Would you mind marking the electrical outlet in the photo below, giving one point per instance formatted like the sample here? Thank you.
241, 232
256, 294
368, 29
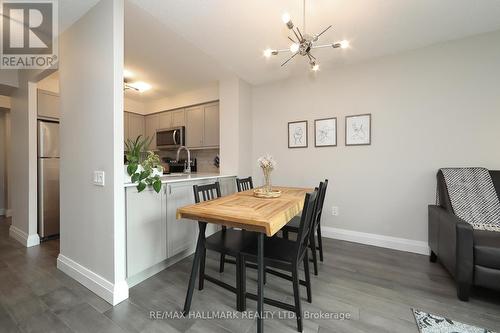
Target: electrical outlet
99, 178
335, 211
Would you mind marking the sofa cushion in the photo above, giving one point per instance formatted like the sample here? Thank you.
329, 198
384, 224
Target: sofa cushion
487, 248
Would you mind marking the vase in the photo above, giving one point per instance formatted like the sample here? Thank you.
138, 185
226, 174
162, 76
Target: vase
267, 180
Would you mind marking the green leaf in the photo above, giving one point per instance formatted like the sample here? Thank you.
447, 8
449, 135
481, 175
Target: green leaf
157, 185
135, 177
141, 186
131, 168
144, 175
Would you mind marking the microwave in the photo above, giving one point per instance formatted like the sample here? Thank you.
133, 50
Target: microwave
170, 138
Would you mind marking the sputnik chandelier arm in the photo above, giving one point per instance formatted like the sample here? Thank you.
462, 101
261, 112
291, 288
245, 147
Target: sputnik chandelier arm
303, 43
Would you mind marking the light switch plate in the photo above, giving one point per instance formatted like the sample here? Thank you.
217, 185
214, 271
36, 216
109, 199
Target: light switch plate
99, 178
335, 211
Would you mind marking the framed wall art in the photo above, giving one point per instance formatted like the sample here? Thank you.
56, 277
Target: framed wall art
325, 132
297, 134
358, 131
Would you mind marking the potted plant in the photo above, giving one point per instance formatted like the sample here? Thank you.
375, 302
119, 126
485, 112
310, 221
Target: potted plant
143, 170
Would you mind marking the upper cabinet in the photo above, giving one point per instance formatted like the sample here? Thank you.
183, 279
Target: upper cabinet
152, 124
48, 104
201, 122
178, 118
194, 126
211, 126
202, 126
165, 120
134, 125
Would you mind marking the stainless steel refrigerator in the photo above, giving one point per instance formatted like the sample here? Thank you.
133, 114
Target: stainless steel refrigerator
48, 179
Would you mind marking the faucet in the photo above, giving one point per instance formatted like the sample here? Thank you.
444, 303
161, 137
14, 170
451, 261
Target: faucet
187, 168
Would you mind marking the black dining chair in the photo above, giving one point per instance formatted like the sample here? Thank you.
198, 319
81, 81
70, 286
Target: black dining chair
244, 184
227, 241
286, 255
293, 226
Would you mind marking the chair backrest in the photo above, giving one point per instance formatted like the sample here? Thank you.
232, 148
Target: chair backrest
321, 201
244, 184
206, 192
306, 221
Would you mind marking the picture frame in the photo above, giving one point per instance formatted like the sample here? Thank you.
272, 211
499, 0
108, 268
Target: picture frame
297, 134
358, 130
325, 132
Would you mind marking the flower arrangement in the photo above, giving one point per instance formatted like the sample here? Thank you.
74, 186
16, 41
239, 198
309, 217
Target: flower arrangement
267, 164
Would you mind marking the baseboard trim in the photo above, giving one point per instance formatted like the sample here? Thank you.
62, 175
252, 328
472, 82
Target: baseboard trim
395, 243
8, 212
23, 238
111, 293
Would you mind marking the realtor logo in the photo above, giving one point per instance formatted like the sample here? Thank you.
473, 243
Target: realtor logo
29, 34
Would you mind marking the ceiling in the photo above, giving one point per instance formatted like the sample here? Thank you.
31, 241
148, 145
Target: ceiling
71, 10
191, 40
161, 57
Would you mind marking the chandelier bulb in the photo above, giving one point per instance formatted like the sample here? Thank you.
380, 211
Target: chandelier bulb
294, 47
344, 44
267, 53
314, 66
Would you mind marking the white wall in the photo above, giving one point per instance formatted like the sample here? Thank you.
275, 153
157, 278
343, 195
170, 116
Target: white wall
204, 94
8, 164
3, 160
92, 217
23, 159
431, 108
50, 83
235, 109
4, 102
9, 77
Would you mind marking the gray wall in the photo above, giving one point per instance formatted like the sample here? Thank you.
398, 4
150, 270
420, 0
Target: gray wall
433, 107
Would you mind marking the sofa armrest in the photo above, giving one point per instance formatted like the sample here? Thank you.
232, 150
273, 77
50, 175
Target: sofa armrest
452, 240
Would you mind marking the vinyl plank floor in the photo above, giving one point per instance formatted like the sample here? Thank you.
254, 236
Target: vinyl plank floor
376, 287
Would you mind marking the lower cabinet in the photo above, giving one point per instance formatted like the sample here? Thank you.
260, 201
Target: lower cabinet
146, 229
154, 234
181, 234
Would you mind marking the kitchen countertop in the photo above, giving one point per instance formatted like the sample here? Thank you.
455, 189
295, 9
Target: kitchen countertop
182, 177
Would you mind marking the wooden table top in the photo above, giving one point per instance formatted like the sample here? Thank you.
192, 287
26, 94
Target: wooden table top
243, 210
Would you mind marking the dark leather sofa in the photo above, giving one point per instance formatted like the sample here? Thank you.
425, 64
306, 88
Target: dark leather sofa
471, 256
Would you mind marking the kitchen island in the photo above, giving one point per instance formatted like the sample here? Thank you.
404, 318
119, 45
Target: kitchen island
155, 238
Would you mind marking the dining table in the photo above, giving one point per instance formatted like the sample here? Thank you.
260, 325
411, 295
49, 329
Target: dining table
265, 216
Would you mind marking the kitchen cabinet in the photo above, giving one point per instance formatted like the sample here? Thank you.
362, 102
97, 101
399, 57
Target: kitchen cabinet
48, 104
202, 126
152, 123
211, 125
178, 118
165, 120
146, 229
136, 125
195, 123
181, 234
155, 238
126, 122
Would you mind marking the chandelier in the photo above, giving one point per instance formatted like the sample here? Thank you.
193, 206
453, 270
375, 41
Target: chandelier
303, 43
